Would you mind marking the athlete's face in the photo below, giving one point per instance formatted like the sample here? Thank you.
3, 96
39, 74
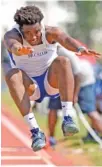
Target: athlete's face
32, 33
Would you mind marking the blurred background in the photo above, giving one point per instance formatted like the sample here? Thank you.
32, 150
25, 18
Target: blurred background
82, 20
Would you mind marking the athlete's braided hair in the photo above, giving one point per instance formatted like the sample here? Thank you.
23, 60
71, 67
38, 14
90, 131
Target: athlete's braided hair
28, 15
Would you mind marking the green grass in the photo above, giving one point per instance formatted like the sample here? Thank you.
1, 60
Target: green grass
7, 100
90, 149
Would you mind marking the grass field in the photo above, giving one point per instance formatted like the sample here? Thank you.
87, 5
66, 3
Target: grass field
90, 149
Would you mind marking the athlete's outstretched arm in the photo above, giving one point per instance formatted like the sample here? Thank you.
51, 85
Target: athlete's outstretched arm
66, 41
56, 34
12, 38
14, 44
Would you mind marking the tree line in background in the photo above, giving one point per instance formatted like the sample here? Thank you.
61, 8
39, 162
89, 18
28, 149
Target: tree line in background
89, 17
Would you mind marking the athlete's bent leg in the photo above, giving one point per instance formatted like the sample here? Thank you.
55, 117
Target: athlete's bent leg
19, 83
60, 76
21, 87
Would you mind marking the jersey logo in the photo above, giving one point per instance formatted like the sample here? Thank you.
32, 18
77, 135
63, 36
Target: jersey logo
37, 54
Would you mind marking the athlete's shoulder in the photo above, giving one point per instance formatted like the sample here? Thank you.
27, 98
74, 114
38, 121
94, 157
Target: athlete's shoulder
13, 34
52, 32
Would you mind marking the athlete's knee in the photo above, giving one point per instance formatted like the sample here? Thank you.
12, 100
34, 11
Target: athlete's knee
13, 76
62, 61
31, 89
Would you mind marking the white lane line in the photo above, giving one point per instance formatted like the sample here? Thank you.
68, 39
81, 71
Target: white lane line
13, 149
20, 158
23, 138
8, 149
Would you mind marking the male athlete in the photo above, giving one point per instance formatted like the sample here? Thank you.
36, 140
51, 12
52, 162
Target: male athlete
37, 71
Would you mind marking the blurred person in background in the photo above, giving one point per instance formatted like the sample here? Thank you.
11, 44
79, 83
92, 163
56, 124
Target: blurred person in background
97, 67
84, 94
38, 70
99, 88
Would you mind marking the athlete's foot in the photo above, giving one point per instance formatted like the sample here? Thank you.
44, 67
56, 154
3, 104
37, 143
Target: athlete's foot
38, 139
69, 127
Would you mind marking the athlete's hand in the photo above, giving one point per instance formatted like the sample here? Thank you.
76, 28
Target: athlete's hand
21, 50
88, 52
25, 50
94, 53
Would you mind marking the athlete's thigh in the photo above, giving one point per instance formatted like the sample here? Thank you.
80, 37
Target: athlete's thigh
56, 69
26, 79
16, 75
28, 83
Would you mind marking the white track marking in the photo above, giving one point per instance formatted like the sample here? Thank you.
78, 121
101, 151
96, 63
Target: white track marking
20, 158
10, 149
23, 138
14, 149
87, 125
